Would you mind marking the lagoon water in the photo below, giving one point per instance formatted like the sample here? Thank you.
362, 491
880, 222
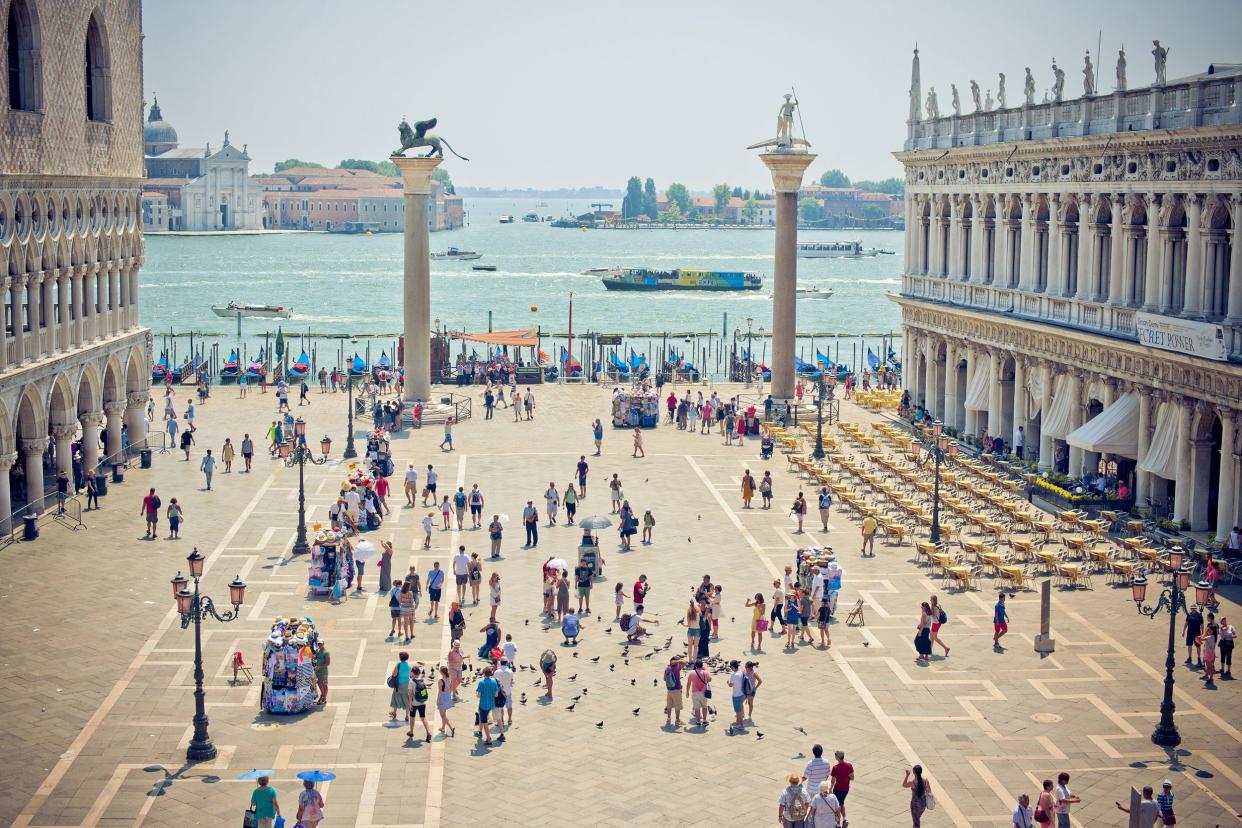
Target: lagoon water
351, 284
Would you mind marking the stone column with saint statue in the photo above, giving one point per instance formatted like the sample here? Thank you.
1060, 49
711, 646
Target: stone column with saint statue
416, 285
786, 158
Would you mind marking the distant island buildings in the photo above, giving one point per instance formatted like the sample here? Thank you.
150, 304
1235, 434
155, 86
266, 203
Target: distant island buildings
196, 189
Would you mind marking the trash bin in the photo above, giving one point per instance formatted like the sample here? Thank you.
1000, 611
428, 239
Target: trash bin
146, 458
30, 529
118, 472
101, 484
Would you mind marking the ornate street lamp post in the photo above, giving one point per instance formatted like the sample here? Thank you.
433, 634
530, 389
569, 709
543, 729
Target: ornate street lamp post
826, 391
1171, 599
940, 449
299, 455
350, 452
194, 608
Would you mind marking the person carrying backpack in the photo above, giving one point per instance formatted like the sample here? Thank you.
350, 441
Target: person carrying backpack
793, 807
673, 690
418, 700
939, 619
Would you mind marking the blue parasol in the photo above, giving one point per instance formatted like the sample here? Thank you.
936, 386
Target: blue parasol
255, 773
316, 776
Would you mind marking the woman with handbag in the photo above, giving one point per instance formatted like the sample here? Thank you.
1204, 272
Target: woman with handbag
920, 793
698, 687
922, 636
399, 681
263, 804
759, 621
1045, 806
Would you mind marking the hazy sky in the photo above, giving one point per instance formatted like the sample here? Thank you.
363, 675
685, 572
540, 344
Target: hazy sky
548, 93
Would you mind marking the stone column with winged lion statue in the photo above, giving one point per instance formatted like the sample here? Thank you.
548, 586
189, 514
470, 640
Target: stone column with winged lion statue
786, 158
416, 285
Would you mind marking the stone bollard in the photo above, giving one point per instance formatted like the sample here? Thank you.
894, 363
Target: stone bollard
1044, 645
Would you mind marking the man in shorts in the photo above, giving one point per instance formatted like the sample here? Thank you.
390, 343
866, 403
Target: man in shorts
869, 527
476, 506
582, 475
1000, 622
411, 484
583, 577
430, 489
247, 449
435, 583
151, 511
461, 572
673, 691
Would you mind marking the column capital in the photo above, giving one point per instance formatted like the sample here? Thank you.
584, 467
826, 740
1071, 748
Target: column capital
137, 398
787, 169
1226, 414
7, 459
34, 445
65, 432
415, 173
115, 407
91, 419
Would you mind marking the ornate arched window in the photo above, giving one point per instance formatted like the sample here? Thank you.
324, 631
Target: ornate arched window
98, 71
22, 57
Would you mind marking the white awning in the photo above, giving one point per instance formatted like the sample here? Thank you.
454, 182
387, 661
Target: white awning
1161, 457
1056, 420
978, 392
1034, 394
1113, 431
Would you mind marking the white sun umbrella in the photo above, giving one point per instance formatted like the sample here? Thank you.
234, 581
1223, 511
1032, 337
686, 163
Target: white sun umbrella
595, 522
364, 551
503, 518
558, 563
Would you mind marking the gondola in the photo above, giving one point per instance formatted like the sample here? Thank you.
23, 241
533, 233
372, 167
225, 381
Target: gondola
383, 363
358, 367
300, 367
231, 368
159, 371
255, 370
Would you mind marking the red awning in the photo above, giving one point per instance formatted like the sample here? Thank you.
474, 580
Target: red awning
524, 338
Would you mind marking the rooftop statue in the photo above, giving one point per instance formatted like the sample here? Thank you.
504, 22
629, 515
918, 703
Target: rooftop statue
1058, 83
1121, 69
974, 93
987, 102
1028, 87
957, 103
932, 106
1161, 54
1088, 76
1000, 92
418, 137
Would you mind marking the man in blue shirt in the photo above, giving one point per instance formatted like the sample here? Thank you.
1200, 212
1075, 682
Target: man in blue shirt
486, 691
570, 628
1000, 622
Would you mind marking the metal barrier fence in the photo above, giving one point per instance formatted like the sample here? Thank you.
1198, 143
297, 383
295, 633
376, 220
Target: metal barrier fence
50, 508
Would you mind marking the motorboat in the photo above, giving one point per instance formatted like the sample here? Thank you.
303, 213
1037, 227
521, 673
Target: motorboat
233, 309
488, 268
834, 250
532, 216
814, 293
459, 255
597, 271
642, 278
506, 219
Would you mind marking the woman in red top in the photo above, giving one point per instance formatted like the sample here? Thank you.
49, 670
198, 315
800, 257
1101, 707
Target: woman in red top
381, 491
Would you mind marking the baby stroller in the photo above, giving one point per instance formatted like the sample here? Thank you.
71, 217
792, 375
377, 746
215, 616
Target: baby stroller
766, 445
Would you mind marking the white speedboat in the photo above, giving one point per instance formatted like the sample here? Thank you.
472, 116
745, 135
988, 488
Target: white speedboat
233, 310
459, 255
506, 219
814, 293
834, 250
597, 271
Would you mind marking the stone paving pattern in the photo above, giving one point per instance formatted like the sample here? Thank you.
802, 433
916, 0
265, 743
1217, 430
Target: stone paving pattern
99, 689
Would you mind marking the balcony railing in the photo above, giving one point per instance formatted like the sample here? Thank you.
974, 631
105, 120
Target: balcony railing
1094, 317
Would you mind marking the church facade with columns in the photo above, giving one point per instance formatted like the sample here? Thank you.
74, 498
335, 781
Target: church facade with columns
75, 362
1073, 269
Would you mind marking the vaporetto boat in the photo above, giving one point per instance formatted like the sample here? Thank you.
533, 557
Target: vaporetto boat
835, 250
642, 278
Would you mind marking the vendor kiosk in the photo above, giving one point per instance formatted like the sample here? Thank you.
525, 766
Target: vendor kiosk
636, 408
331, 566
288, 669
379, 451
588, 550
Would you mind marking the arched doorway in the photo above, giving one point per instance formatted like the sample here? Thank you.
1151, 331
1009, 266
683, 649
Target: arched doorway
1205, 465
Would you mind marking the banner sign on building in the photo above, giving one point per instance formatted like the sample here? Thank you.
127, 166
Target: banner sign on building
1201, 339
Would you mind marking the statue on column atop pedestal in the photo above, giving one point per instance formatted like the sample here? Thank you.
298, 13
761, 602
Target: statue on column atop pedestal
957, 103
1161, 54
974, 93
418, 137
1058, 82
785, 140
1000, 92
1028, 87
1088, 76
1121, 69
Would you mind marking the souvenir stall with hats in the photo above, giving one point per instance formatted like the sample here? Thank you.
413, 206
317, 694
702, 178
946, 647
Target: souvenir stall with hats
378, 451
288, 671
638, 407
331, 565
826, 560
363, 483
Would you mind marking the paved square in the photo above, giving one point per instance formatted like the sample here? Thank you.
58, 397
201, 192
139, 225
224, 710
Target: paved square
99, 687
